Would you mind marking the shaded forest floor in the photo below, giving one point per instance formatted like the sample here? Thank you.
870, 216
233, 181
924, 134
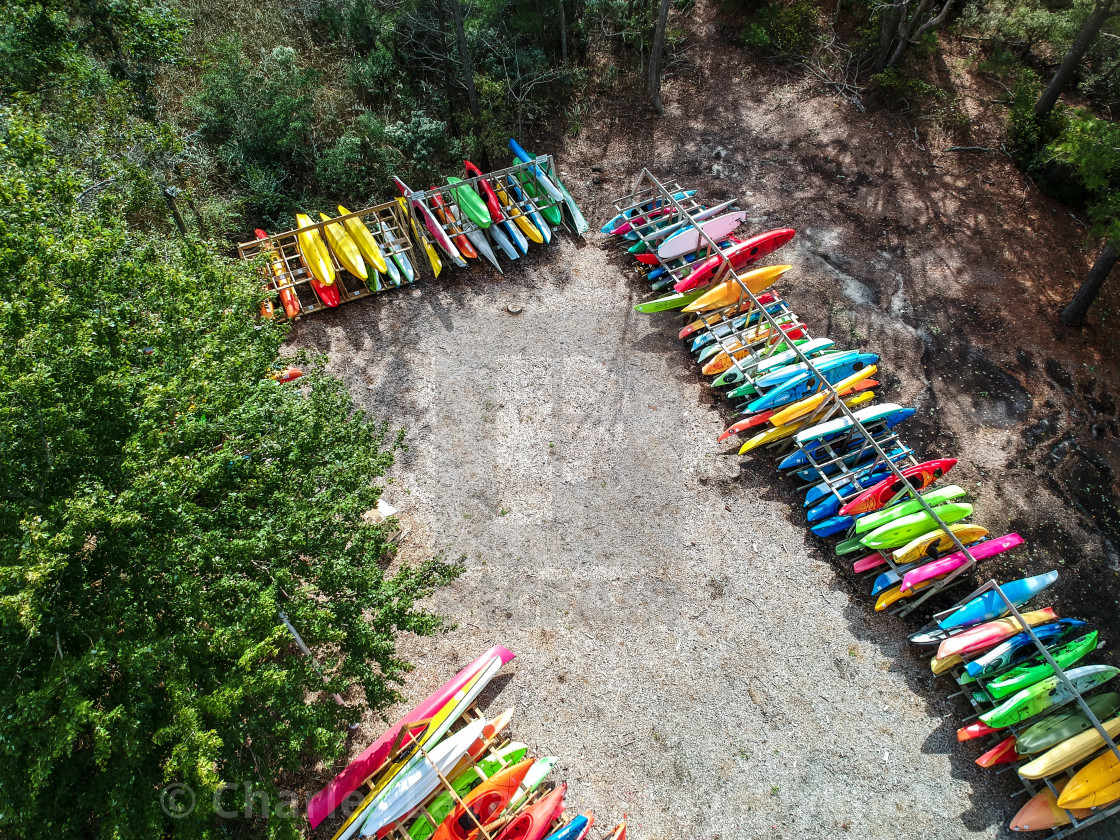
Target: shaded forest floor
683, 643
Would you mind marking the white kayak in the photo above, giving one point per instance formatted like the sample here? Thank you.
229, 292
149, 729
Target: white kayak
686, 241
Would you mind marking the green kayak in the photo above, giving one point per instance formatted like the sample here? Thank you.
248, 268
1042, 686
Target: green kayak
901, 531
879, 518
578, 220
673, 301
442, 805
529, 184
470, 202
1029, 673
1048, 693
1061, 726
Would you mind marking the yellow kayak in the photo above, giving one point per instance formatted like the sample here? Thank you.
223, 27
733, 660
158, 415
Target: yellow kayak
728, 292
345, 248
782, 432
938, 543
809, 404
889, 597
1069, 752
364, 240
514, 212
433, 257
314, 251
1010, 626
1096, 784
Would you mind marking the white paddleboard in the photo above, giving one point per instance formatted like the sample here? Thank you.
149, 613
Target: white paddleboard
686, 241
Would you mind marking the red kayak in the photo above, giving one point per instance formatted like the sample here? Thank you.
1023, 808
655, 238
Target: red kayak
919, 477
533, 822
288, 295
484, 802
492, 203
974, 730
1001, 753
375, 755
741, 255
457, 236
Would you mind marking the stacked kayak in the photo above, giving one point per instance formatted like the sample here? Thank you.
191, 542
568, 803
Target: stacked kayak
905, 527
446, 771
480, 217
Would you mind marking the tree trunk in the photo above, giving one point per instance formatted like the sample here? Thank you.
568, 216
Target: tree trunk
563, 35
468, 76
448, 84
1102, 11
1074, 313
655, 57
888, 26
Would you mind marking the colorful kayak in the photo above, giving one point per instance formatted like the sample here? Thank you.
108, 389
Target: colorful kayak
1032, 671
533, 780
1047, 694
526, 205
1061, 726
288, 295
709, 320
470, 202
459, 239
556, 190
832, 428
574, 829
431, 224
689, 240
1020, 647
777, 433
740, 255
1094, 785
547, 206
810, 348
1071, 752
649, 205
974, 730
983, 637
669, 229
952, 562
514, 213
484, 803
316, 259
806, 384
374, 757
897, 533
420, 236
494, 207
1042, 813
533, 822
919, 477
344, 247
989, 605
477, 237
399, 253
933, 546
784, 416
1001, 753
668, 302
906, 507
729, 292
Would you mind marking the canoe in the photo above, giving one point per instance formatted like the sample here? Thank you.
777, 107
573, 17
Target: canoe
485, 802
618, 832
1020, 647
1041, 812
534, 821
419, 779
897, 533
919, 476
344, 247
431, 224
989, 605
374, 757
1034, 670
688, 240
729, 292
1061, 726
288, 296
974, 730
951, 562
446, 218
469, 201
1070, 752
1047, 694
1094, 785
740, 255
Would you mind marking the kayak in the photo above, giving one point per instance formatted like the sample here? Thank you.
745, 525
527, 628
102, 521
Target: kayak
989, 605
788, 430
1001, 753
710, 319
673, 301
526, 205
549, 209
288, 295
806, 384
740, 255
1094, 785
367, 245
494, 208
649, 205
897, 533
1047, 694
933, 546
459, 239
1061, 726
533, 780
884, 516
533, 822
320, 271
1071, 752
1034, 670
470, 203
344, 247
682, 243
730, 292
839, 425
477, 237
512, 211
418, 234
398, 253
431, 224
556, 190
983, 637
1020, 647
1041, 812
810, 348
919, 476
373, 758
951, 562
784, 416
484, 803
574, 829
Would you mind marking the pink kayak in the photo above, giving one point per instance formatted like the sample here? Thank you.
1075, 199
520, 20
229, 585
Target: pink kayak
866, 564
375, 755
629, 225
991, 633
952, 562
741, 254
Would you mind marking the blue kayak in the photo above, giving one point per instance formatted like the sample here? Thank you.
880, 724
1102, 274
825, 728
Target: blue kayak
808, 383
1020, 647
990, 606
853, 460
878, 425
810, 347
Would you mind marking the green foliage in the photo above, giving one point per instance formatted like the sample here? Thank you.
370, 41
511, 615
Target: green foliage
161, 501
1087, 153
783, 28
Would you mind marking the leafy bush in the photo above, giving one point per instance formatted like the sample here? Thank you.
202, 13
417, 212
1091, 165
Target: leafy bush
161, 501
785, 28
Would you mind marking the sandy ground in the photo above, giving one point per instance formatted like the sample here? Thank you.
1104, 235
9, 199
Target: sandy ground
683, 651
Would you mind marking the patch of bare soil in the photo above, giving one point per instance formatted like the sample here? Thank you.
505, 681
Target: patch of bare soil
693, 656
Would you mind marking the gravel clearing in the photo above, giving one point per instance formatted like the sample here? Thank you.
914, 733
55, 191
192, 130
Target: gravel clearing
680, 646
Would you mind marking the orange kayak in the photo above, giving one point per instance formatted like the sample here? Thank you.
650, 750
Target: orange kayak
534, 821
722, 361
485, 802
728, 292
457, 236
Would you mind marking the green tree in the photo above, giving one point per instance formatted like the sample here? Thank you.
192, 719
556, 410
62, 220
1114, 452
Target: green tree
162, 500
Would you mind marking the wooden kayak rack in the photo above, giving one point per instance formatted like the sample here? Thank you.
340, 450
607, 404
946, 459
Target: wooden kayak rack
284, 270
651, 193
1032, 787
